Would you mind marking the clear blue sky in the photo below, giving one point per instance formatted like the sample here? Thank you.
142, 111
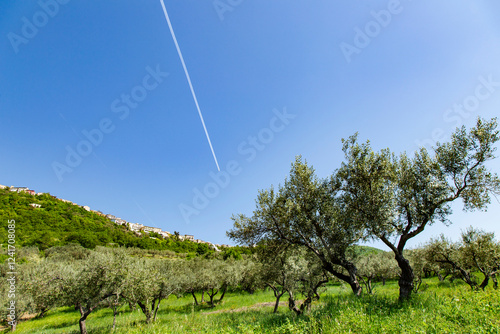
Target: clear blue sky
392, 70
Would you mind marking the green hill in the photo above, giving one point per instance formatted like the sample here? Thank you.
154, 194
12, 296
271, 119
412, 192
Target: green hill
58, 223
364, 250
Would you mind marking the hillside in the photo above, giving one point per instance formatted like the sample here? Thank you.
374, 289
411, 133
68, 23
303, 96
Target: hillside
56, 223
364, 250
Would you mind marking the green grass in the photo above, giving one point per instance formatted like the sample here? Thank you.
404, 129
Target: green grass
438, 308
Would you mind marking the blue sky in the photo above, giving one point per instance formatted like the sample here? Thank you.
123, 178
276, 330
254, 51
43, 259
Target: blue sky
274, 79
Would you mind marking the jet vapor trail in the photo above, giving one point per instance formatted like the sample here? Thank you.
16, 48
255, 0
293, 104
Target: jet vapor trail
189, 81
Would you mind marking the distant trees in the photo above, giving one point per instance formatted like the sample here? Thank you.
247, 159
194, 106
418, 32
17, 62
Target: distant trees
251, 270
216, 276
293, 271
481, 252
376, 266
447, 255
478, 251
67, 253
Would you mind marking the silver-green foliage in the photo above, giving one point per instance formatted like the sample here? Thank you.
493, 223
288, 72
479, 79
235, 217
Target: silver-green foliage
397, 197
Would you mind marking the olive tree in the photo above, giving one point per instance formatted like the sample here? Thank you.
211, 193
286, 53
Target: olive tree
480, 251
231, 271
140, 286
93, 280
251, 270
311, 276
115, 303
189, 274
396, 197
216, 276
150, 282
476, 251
44, 283
67, 253
447, 255
278, 271
304, 212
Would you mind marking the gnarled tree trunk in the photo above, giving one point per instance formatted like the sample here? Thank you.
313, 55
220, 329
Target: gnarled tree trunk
368, 284
292, 305
211, 294
81, 321
194, 296
147, 312
353, 279
406, 279
277, 303
485, 282
350, 279
277, 295
224, 289
83, 327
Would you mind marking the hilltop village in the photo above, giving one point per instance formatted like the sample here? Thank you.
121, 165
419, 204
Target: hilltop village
134, 227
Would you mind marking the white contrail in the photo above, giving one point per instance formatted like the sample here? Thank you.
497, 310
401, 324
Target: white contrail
189, 81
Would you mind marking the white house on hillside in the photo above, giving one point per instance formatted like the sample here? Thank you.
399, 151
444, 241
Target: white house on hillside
22, 189
119, 221
148, 229
186, 237
136, 227
165, 234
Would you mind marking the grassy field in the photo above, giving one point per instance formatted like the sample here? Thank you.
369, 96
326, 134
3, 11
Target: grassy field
437, 308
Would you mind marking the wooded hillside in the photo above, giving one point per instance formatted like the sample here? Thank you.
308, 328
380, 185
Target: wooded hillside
58, 223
